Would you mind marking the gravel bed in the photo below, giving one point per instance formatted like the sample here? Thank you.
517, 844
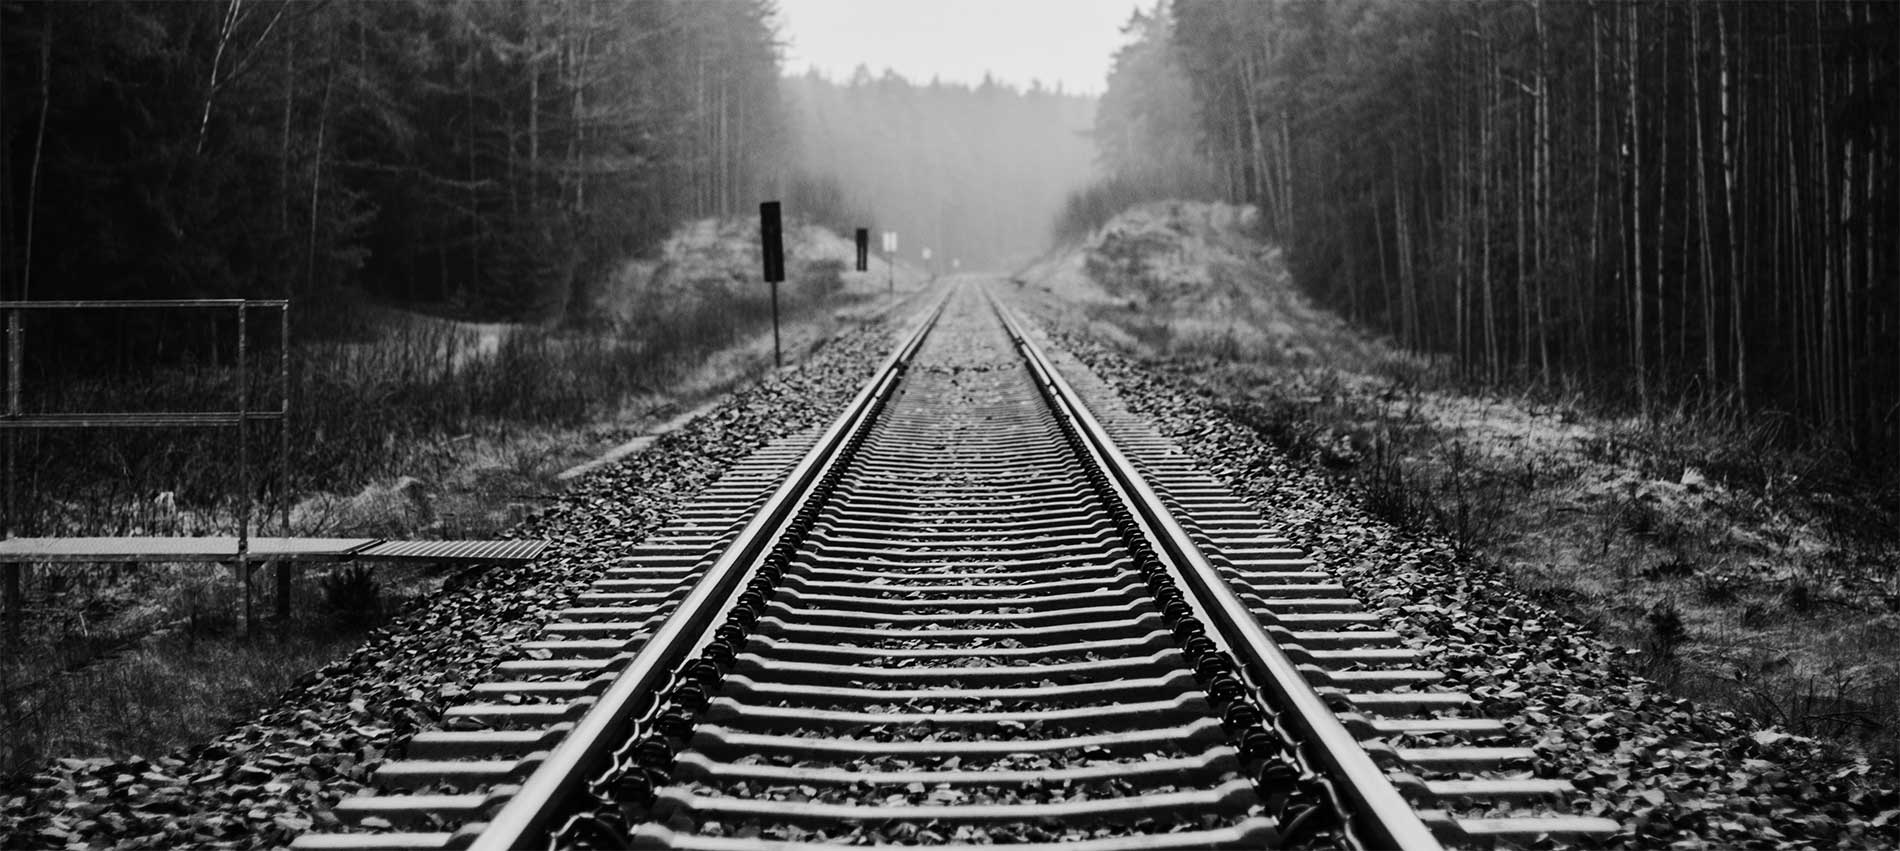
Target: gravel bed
1675, 776
911, 594
910, 729
952, 703
933, 572
1072, 678
997, 582
921, 794
978, 661
1093, 755
945, 625
277, 774
951, 613
909, 643
933, 833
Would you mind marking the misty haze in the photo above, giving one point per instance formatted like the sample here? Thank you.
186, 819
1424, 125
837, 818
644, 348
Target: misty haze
1117, 424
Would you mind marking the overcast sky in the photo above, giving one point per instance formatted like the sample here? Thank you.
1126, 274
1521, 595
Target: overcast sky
1069, 41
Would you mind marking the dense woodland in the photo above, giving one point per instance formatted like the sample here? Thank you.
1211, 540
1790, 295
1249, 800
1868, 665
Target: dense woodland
489, 157
974, 173
1146, 132
1686, 201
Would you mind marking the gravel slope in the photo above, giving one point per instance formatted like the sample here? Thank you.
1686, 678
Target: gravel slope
1675, 776
276, 774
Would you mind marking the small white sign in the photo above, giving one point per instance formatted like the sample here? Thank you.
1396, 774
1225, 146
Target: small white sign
890, 242
926, 254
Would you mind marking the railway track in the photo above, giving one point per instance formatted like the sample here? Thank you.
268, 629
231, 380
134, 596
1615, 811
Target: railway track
971, 610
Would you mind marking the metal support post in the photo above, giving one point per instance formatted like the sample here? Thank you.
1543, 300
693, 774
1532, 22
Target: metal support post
284, 492
15, 348
244, 465
15, 610
778, 360
12, 513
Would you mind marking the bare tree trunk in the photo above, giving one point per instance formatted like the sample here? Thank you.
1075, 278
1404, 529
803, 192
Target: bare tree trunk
1457, 198
1386, 290
1256, 150
1488, 198
39, 154
1408, 278
1659, 355
449, 290
1595, 159
1635, 207
1830, 319
1286, 168
316, 182
1540, 163
225, 30
1707, 260
1738, 292
534, 103
283, 146
1520, 189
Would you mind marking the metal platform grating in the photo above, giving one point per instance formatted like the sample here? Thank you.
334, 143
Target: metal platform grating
463, 551
177, 549
224, 549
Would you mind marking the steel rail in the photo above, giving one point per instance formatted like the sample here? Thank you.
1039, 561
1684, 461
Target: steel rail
1379, 817
529, 813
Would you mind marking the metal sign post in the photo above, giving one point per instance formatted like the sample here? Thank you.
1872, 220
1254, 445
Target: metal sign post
864, 249
772, 242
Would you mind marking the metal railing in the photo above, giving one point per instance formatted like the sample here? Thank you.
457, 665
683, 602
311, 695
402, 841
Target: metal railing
15, 418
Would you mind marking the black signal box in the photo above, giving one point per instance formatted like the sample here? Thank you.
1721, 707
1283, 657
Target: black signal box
772, 241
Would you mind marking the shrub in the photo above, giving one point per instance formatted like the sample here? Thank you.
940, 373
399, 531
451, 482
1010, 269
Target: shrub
352, 594
824, 277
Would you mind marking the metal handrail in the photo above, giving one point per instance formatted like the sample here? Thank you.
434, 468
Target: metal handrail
129, 303
134, 419
13, 418
1379, 816
584, 750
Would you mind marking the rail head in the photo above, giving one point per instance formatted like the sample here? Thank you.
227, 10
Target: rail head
1378, 816
529, 814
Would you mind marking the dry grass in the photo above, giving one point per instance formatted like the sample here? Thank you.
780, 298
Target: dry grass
163, 693
1751, 592
407, 395
164, 657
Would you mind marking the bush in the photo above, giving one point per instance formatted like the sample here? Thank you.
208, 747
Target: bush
823, 278
352, 594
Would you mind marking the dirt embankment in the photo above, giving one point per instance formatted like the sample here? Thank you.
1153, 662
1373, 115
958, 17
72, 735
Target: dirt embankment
1737, 573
